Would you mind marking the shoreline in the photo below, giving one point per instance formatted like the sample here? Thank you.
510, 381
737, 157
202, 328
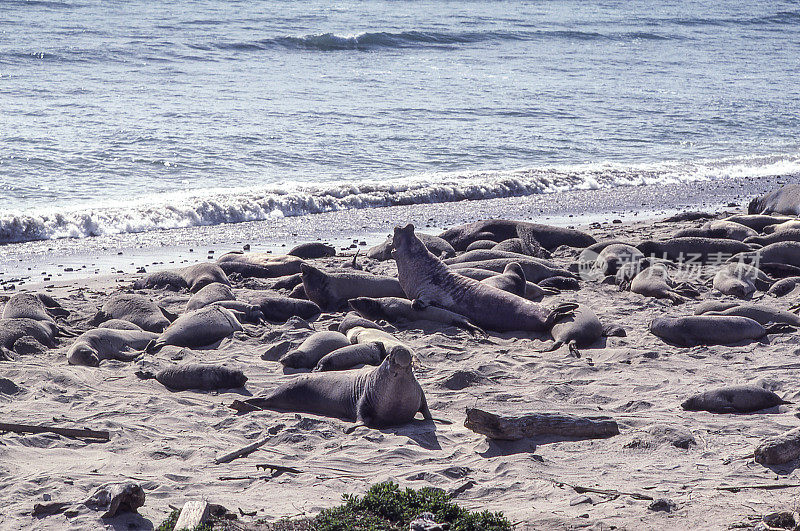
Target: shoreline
27, 265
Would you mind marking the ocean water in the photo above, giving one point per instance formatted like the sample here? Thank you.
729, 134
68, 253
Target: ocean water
139, 115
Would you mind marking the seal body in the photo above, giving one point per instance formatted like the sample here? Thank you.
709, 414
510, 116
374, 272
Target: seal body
98, 344
308, 251
706, 330
198, 328
783, 286
279, 308
198, 376
428, 281
331, 291
512, 280
313, 349
784, 200
209, 294
387, 395
193, 277
351, 356
534, 269
787, 253
17, 329
136, 309
734, 399
614, 256
36, 306
740, 280
499, 230
434, 244
260, 265
760, 313
394, 309
581, 329
694, 249
789, 235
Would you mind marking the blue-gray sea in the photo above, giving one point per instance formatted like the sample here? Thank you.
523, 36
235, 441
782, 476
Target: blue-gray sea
136, 115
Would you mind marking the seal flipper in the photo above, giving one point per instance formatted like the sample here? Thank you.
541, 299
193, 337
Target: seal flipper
419, 304
555, 346
614, 330
573, 349
169, 315
561, 311
145, 375
246, 406
779, 328
426, 413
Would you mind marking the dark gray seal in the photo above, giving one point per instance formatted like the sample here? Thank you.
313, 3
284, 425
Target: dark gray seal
313, 349
581, 329
387, 395
756, 222
196, 376
279, 308
259, 265
331, 291
428, 281
614, 256
535, 271
788, 235
785, 200
37, 306
16, 330
308, 251
509, 281
480, 255
706, 330
789, 224
719, 229
741, 280
481, 244
761, 313
696, 250
214, 292
499, 230
783, 286
395, 309
734, 399
351, 356
193, 277
99, 344
119, 324
434, 244
136, 309
656, 282
198, 328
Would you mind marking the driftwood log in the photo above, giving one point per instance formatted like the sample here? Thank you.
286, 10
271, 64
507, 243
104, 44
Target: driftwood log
780, 449
83, 433
533, 424
193, 514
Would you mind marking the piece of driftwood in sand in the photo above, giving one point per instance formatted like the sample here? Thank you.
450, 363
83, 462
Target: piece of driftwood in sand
83, 433
193, 514
277, 468
779, 449
241, 452
534, 424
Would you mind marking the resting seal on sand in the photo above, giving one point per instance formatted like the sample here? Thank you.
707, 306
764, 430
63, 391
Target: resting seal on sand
614, 256
696, 330
734, 399
434, 244
741, 280
331, 291
279, 308
261, 265
387, 395
756, 222
136, 309
98, 344
428, 281
533, 268
37, 306
193, 277
788, 235
783, 286
313, 349
509, 281
352, 355
198, 328
719, 229
394, 309
786, 253
760, 313
696, 250
196, 376
499, 230
512, 280
784, 200
13, 330
580, 329
308, 251
655, 282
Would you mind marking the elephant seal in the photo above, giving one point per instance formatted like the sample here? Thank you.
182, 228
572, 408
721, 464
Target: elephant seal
259, 265
785, 200
136, 309
428, 281
783, 286
394, 309
209, 294
655, 282
37, 306
279, 308
483, 255
98, 344
791, 224
581, 329
534, 270
786, 253
498, 230
760, 313
308, 251
720, 229
691, 215
509, 283
288, 282
788, 235
351, 356
734, 399
197, 329
481, 244
612, 257
313, 349
706, 330
741, 280
756, 222
353, 320
528, 247
434, 244
196, 376
193, 277
559, 283
387, 395
119, 324
696, 250
331, 291
14, 330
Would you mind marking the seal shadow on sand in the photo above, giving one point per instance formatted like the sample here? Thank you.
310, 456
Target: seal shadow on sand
528, 445
422, 432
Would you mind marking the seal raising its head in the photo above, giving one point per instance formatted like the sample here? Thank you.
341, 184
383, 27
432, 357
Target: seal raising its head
428, 281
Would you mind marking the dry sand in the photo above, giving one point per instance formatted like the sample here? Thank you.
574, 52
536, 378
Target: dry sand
167, 441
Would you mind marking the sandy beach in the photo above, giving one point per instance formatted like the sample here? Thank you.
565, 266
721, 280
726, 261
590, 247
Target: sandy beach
167, 441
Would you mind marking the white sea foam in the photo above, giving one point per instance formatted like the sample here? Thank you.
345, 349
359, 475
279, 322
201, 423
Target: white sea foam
218, 206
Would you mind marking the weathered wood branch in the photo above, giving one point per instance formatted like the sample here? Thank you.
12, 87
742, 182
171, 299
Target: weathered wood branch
67, 432
533, 424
